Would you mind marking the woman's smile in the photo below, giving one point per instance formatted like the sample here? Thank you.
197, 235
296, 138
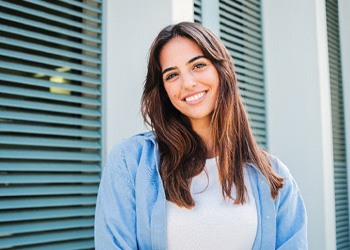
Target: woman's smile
195, 98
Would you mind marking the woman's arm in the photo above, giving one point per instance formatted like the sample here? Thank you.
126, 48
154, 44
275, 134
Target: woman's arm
115, 219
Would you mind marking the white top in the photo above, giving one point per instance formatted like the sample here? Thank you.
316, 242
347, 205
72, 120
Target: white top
214, 223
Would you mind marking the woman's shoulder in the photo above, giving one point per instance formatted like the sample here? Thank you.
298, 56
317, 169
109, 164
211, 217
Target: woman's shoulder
131, 153
135, 143
129, 150
279, 167
290, 186
138, 138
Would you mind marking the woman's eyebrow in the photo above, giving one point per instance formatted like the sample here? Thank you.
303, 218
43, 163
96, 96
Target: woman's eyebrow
195, 58
190, 61
168, 69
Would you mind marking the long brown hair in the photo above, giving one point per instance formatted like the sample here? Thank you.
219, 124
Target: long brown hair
182, 151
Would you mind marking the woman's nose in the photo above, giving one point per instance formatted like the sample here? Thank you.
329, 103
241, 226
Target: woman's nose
188, 81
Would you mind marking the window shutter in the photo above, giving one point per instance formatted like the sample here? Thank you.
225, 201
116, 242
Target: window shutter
197, 11
240, 30
50, 122
339, 148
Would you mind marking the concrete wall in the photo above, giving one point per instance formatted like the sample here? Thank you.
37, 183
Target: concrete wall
299, 107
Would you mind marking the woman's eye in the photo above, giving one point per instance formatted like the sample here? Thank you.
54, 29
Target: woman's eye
199, 65
171, 76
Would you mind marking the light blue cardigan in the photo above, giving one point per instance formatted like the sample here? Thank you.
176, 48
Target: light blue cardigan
131, 204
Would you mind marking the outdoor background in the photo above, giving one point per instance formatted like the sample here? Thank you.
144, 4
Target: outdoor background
71, 77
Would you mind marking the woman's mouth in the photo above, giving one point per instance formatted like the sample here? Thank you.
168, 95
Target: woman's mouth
196, 97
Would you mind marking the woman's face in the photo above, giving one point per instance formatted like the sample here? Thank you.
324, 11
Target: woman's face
190, 79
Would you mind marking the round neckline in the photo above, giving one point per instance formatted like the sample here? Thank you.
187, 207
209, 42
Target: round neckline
210, 161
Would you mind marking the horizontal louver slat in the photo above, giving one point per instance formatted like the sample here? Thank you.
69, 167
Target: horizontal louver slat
66, 10
244, 85
257, 120
250, 73
49, 27
50, 96
49, 167
231, 9
46, 237
48, 178
37, 214
48, 142
76, 244
37, 70
52, 201
52, 119
48, 84
49, 61
252, 28
49, 50
37, 190
47, 107
49, 16
241, 6
82, 5
45, 130
241, 39
48, 155
39, 226
247, 81
51, 39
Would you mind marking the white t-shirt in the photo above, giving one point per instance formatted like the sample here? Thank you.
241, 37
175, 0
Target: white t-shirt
214, 223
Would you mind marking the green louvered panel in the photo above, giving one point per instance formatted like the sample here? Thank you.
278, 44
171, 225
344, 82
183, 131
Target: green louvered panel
197, 5
339, 148
240, 30
50, 122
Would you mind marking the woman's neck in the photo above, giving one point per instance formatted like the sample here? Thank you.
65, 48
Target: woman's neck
204, 130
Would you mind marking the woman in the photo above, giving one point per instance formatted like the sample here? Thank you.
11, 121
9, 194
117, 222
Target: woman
199, 180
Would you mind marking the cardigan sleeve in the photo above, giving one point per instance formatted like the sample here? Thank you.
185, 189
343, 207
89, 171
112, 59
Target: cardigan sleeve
115, 220
291, 217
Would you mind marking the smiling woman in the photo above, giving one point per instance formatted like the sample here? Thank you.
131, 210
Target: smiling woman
199, 179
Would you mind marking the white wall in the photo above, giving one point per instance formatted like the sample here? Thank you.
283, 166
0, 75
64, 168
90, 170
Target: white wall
299, 107
131, 27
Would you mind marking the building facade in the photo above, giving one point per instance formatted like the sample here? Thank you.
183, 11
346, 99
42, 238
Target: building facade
71, 77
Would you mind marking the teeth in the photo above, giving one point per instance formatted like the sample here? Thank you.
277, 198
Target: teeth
194, 97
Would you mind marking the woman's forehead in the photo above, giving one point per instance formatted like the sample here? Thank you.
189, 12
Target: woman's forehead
178, 50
